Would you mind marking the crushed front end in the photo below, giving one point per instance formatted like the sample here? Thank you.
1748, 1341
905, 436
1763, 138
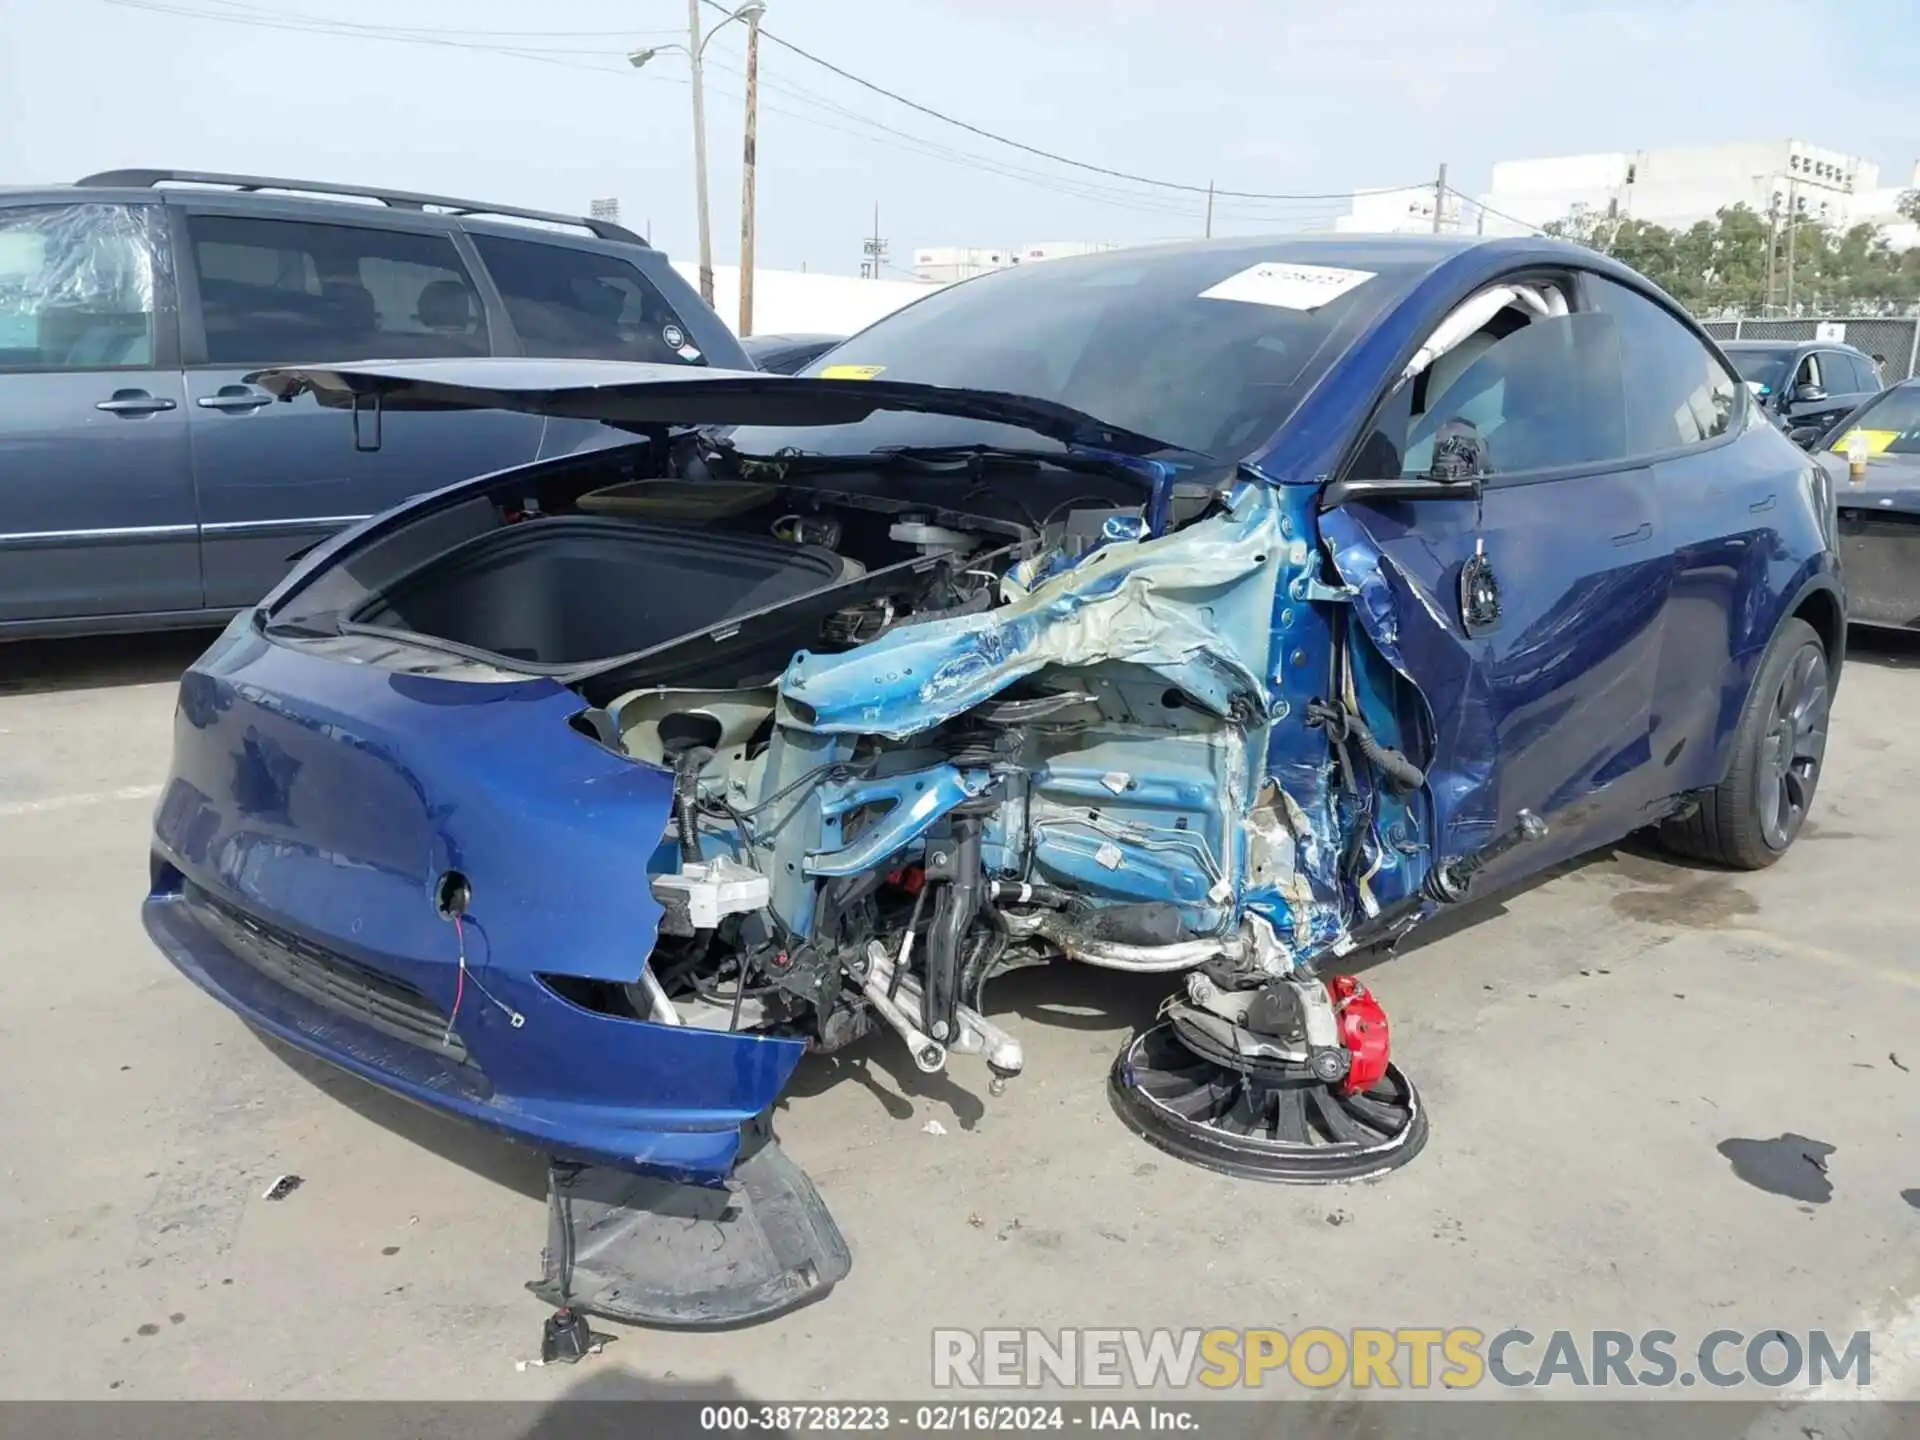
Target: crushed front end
584, 800
1138, 751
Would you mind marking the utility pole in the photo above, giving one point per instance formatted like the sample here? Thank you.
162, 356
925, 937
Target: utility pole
700, 152
876, 248
1209, 209
1773, 247
746, 175
1439, 197
1793, 233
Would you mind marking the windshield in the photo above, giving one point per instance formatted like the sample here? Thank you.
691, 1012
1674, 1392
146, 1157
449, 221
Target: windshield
1889, 426
1206, 347
1766, 368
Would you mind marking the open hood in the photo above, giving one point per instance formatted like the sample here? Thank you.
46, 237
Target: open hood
637, 396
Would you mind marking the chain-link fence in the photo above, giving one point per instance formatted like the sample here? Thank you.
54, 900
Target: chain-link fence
1895, 339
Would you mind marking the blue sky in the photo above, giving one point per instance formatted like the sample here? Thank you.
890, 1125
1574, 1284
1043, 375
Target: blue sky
1260, 95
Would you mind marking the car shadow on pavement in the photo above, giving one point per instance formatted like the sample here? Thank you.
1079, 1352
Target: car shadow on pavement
96, 662
1061, 995
1890, 649
492, 1157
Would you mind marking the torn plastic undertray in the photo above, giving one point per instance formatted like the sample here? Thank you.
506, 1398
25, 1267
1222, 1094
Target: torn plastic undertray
655, 1252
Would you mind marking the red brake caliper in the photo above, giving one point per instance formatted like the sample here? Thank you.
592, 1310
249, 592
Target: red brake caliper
1363, 1030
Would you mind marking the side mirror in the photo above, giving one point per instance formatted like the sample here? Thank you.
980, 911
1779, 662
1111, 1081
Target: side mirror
1808, 394
1459, 454
1805, 436
1456, 471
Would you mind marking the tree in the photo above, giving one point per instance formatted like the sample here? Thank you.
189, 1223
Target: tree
1910, 205
1723, 263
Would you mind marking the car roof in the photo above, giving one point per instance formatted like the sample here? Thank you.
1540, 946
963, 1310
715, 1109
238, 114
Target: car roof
1356, 251
1755, 346
798, 338
330, 195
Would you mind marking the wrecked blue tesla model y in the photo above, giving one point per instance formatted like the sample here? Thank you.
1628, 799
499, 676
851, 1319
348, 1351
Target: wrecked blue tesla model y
1215, 610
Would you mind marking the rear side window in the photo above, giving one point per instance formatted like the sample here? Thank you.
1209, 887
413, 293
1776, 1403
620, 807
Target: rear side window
289, 290
76, 287
1865, 379
1542, 396
1678, 394
575, 304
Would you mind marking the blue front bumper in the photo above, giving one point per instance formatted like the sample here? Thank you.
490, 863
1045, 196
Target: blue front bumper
312, 810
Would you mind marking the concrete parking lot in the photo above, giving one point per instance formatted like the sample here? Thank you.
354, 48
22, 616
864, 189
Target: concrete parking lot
1585, 1047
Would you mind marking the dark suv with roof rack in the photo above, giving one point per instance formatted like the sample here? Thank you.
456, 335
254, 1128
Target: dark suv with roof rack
145, 482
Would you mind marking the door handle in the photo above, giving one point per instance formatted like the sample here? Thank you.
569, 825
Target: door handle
1634, 537
133, 402
234, 397
1760, 507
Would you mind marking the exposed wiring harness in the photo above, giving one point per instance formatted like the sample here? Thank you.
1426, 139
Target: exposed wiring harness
1345, 727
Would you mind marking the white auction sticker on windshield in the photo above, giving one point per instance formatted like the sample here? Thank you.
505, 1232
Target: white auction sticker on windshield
1289, 287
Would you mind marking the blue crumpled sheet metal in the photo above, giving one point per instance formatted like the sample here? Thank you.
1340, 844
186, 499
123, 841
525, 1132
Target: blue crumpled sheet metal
1191, 606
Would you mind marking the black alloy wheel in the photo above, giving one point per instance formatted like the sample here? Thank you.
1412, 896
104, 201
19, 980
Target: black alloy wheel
1289, 1130
1795, 745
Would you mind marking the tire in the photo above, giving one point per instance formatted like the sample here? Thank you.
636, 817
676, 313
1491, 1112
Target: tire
1750, 819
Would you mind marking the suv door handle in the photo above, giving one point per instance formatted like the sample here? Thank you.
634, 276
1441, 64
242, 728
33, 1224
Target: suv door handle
235, 397
133, 402
1634, 537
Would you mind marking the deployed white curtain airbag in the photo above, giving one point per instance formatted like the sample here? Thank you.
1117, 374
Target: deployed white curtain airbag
1544, 301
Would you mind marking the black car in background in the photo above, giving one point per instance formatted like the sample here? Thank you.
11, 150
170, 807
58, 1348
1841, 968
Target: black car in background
1872, 460
787, 354
1805, 385
149, 483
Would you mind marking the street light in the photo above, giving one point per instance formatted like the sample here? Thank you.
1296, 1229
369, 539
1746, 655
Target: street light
693, 49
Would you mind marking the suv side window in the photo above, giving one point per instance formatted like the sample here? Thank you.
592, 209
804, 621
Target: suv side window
1542, 396
1678, 394
1859, 374
576, 304
76, 287
289, 290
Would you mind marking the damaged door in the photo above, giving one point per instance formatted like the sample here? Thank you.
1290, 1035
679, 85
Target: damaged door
1521, 593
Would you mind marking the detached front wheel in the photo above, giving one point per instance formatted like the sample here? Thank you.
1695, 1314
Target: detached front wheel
1750, 819
1284, 1127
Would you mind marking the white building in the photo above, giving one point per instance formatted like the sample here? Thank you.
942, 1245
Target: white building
1398, 212
1881, 209
947, 263
1676, 188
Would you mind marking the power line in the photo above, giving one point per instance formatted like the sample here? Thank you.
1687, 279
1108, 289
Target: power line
1486, 209
919, 145
873, 130
1021, 144
464, 31
303, 25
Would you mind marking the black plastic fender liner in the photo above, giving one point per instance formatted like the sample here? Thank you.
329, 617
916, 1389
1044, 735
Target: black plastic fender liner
654, 1252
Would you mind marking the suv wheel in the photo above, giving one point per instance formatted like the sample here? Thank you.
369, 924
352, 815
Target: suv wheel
1750, 818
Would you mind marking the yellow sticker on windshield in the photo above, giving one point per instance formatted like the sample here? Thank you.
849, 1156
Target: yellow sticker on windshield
851, 372
1877, 441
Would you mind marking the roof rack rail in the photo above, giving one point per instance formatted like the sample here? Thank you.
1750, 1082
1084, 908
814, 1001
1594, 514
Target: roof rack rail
393, 199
